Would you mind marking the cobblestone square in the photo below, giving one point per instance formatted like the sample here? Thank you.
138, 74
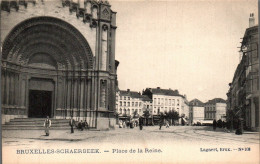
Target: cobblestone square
177, 143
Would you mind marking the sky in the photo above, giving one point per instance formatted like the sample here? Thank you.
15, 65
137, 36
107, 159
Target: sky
186, 45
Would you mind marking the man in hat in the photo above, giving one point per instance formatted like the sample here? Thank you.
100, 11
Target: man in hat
71, 123
47, 125
141, 122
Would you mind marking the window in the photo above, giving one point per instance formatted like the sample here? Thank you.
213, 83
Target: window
170, 102
162, 101
136, 103
128, 111
158, 101
116, 98
155, 101
166, 101
120, 103
120, 111
133, 111
173, 102
140, 103
178, 102
124, 103
128, 103
124, 97
147, 106
120, 97
124, 111
140, 111
128, 98
133, 104
166, 109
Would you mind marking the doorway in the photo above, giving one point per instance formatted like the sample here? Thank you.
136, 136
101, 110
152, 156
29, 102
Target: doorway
40, 103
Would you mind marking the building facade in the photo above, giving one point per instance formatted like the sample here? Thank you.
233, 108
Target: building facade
196, 111
165, 100
131, 103
243, 95
58, 60
215, 109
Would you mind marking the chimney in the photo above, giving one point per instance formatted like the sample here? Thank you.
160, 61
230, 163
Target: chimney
158, 88
251, 20
128, 90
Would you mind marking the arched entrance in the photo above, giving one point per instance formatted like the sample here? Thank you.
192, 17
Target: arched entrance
46, 70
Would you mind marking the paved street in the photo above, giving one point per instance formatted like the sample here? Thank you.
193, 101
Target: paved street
178, 141
188, 134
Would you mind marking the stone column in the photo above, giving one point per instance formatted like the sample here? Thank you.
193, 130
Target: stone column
7, 87
3, 86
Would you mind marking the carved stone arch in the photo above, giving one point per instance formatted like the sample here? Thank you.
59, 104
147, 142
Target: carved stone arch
81, 49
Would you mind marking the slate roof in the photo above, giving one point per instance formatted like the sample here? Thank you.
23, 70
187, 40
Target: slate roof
132, 94
167, 92
216, 100
196, 102
145, 98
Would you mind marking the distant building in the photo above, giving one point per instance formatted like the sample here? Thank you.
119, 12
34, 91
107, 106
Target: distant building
147, 103
243, 95
185, 108
215, 109
196, 111
127, 102
165, 100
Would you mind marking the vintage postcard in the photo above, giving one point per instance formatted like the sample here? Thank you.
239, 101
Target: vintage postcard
129, 81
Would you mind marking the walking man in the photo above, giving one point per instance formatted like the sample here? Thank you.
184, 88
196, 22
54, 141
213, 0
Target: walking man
72, 123
141, 122
161, 121
214, 125
47, 125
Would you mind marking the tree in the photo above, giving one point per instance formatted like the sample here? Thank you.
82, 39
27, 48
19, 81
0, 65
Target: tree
173, 115
146, 116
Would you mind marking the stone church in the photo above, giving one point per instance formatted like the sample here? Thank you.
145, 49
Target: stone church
58, 60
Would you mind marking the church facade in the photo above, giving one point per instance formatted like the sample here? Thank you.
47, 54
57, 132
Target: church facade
58, 60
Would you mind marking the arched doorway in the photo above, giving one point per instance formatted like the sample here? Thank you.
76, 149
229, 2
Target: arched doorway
46, 64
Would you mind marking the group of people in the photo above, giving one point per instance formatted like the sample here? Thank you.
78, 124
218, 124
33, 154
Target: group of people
80, 125
132, 123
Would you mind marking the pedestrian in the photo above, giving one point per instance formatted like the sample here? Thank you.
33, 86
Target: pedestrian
85, 124
82, 125
124, 124
141, 122
161, 121
72, 123
214, 124
167, 124
47, 125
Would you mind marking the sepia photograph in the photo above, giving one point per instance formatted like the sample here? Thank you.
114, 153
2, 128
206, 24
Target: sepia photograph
129, 81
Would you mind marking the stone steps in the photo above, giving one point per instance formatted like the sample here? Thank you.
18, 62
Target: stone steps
35, 124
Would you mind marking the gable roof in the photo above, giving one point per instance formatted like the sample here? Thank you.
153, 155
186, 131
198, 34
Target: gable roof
196, 102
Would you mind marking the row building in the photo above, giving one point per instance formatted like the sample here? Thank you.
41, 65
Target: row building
165, 100
243, 94
205, 113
